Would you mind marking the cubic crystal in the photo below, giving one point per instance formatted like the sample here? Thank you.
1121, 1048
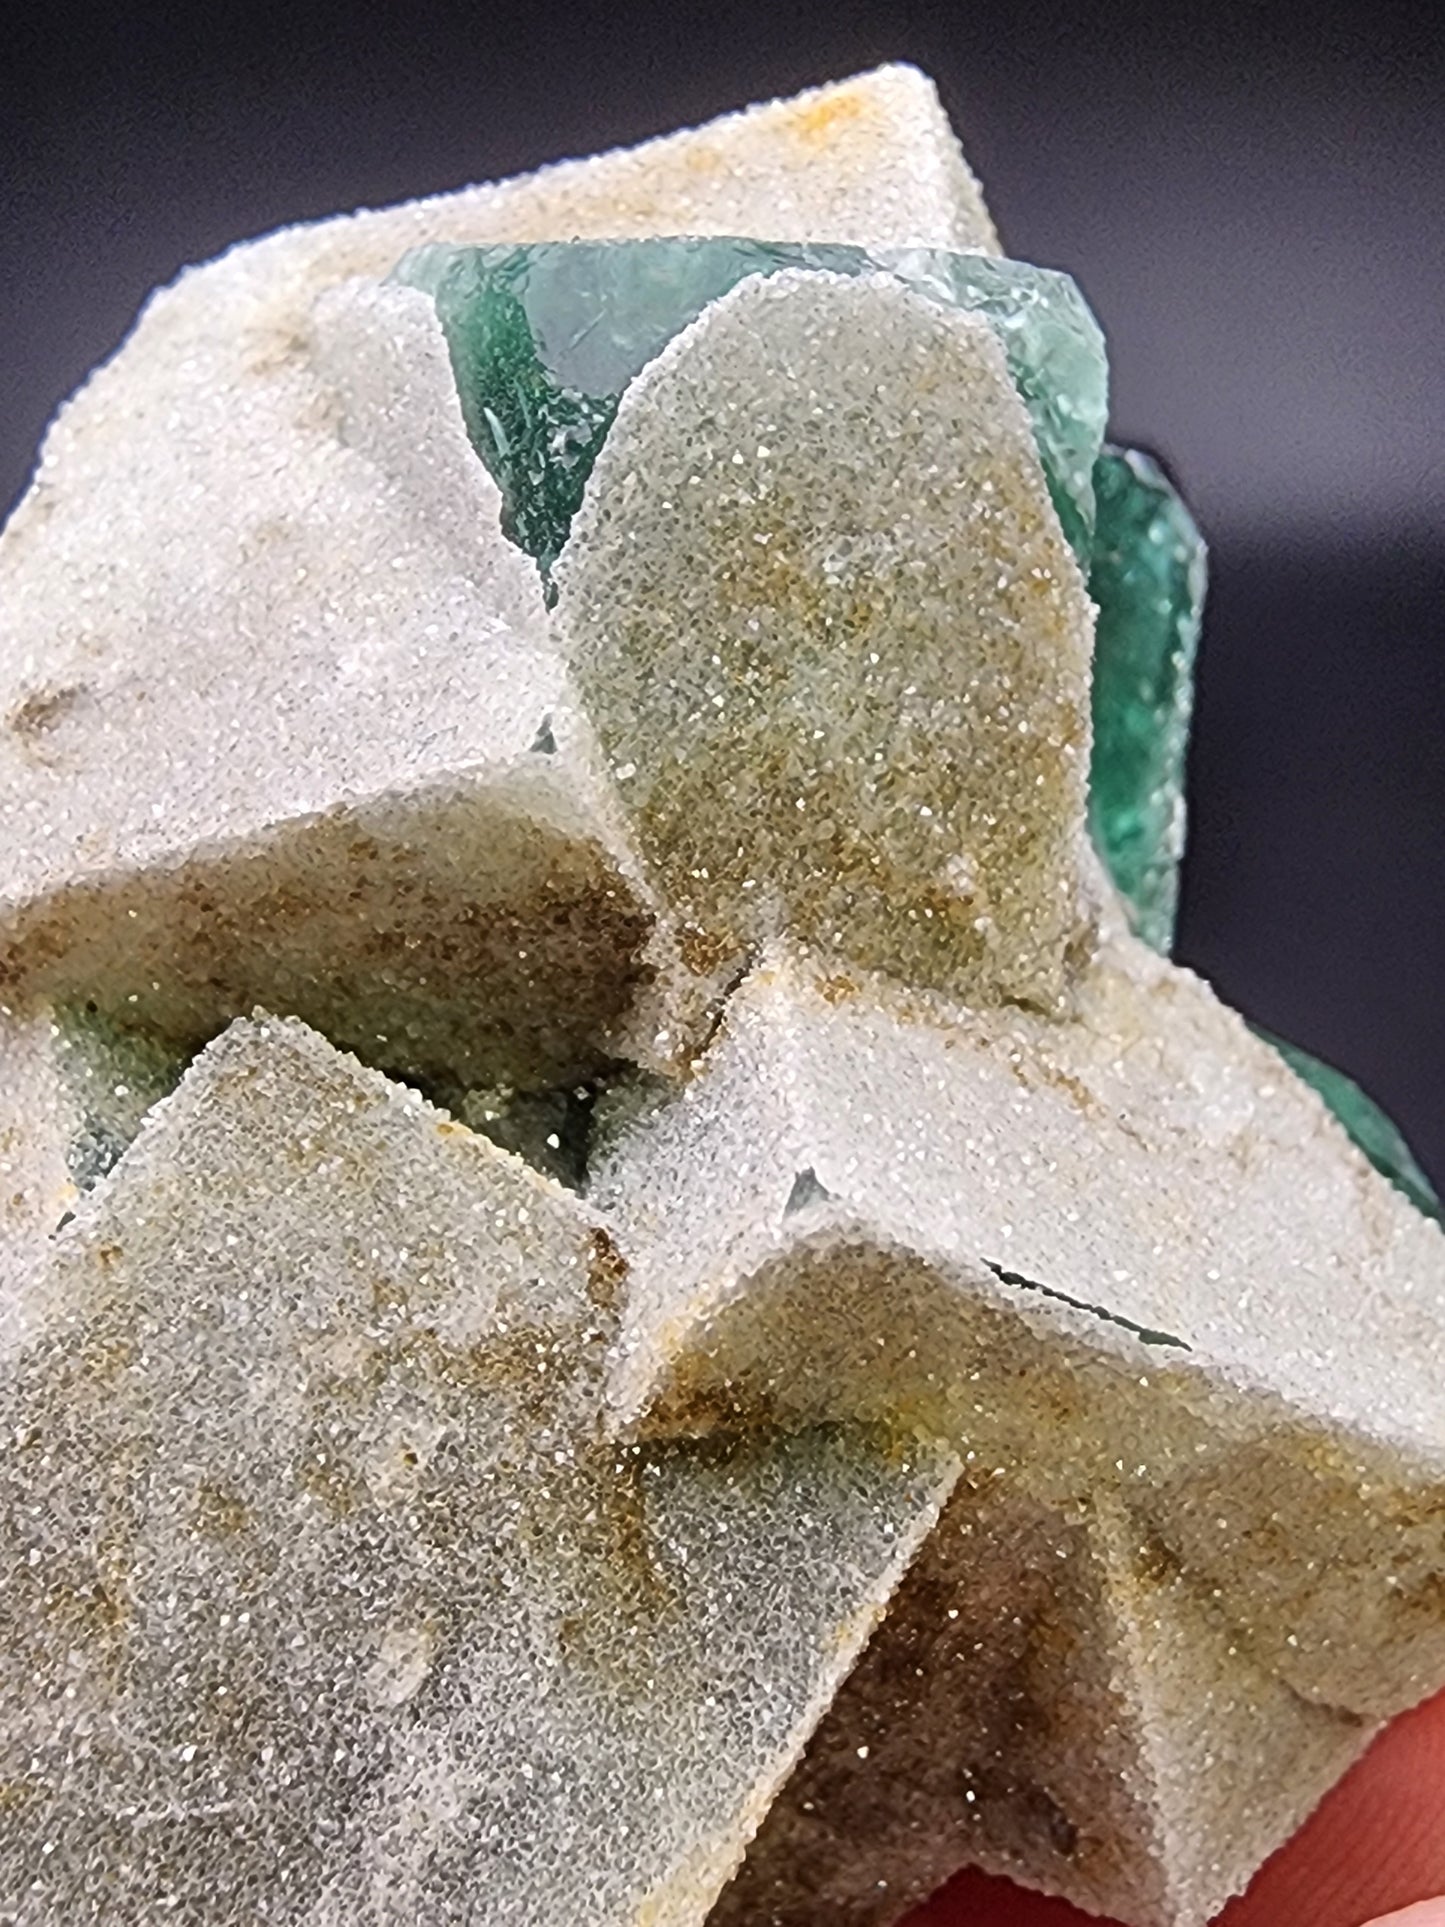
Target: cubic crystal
327, 1600
874, 1369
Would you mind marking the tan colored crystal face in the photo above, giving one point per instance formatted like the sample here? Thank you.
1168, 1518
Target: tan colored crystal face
835, 647
399, 1523
1049, 1702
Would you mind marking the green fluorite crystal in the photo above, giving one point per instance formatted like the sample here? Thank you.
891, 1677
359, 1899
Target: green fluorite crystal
1147, 578
112, 1076
544, 339
1379, 1139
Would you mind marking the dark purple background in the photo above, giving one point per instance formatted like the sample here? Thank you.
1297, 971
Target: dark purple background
1253, 198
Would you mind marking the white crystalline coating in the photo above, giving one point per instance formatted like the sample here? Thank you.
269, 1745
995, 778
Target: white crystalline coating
309, 718
1006, 1232
834, 644
266, 644
970, 1134
326, 1600
391, 1535
871, 160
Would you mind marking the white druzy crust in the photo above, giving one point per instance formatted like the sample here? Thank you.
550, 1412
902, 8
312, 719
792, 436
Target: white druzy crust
622, 1298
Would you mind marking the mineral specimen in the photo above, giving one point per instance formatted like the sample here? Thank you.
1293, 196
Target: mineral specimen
805, 1353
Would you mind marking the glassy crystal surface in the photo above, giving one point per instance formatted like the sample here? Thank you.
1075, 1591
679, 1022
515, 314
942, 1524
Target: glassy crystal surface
1376, 1134
544, 339
1148, 579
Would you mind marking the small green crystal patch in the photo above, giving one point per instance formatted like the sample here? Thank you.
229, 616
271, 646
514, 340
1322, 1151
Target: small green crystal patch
1147, 579
113, 1076
544, 340
1371, 1130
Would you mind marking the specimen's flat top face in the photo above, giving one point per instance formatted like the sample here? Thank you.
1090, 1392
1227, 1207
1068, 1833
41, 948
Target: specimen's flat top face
639, 654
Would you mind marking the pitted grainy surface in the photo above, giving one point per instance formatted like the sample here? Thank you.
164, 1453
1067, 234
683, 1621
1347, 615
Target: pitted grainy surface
873, 1369
328, 1599
835, 646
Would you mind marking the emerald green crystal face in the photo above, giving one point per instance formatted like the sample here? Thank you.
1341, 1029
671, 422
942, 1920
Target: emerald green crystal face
545, 338
1147, 581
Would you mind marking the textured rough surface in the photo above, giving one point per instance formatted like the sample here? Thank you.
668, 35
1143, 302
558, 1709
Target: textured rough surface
1208, 1364
291, 752
1149, 1389
74, 1088
233, 683
835, 646
414, 1515
1048, 1699
327, 1601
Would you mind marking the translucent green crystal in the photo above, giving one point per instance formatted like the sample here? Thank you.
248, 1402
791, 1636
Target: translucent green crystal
1369, 1127
544, 340
1147, 578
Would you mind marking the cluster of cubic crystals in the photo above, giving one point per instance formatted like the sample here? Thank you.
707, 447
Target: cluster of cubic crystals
630, 1290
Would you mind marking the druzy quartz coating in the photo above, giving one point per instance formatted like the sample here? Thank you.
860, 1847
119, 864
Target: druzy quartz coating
631, 1291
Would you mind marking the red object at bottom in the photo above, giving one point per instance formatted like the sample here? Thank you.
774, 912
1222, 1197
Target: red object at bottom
1376, 1843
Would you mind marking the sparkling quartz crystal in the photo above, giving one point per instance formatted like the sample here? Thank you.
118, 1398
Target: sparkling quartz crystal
742, 1339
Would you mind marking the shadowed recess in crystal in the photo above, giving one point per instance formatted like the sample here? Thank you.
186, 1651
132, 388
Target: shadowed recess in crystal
1147, 578
112, 1076
544, 340
1374, 1133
